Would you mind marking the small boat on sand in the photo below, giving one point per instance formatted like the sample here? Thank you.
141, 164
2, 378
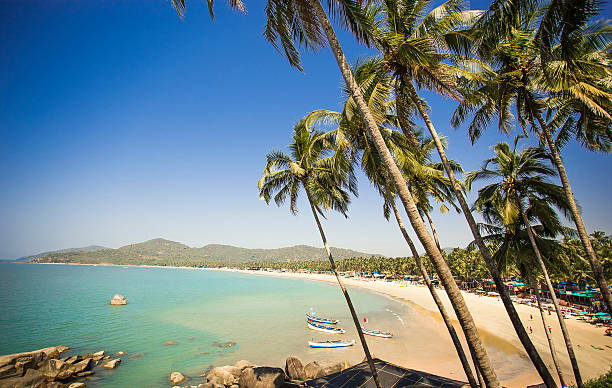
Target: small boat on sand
312, 318
376, 333
331, 344
333, 330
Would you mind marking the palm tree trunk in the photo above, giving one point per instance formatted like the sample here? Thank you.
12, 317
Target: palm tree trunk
402, 116
584, 236
436, 298
553, 354
566, 337
484, 251
345, 292
433, 229
461, 310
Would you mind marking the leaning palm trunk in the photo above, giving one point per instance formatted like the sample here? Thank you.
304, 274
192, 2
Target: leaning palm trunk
484, 251
433, 230
436, 298
345, 292
461, 310
584, 237
566, 337
553, 353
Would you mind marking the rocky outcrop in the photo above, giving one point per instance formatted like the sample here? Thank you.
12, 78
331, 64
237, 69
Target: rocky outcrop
262, 377
44, 368
244, 364
118, 300
225, 375
294, 369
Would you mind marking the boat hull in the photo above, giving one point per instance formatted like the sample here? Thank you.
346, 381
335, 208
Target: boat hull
324, 329
331, 344
375, 333
326, 321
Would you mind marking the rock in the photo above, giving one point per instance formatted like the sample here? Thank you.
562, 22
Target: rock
206, 385
71, 360
262, 377
15, 365
337, 367
219, 375
98, 355
77, 385
82, 366
244, 364
136, 356
235, 386
313, 370
112, 364
224, 345
176, 378
235, 371
120, 353
54, 369
62, 348
84, 374
118, 300
294, 368
170, 343
31, 378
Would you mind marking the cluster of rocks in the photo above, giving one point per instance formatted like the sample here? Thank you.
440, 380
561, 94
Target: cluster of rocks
46, 368
245, 374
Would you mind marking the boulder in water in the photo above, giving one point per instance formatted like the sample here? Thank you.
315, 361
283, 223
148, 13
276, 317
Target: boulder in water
170, 343
262, 377
220, 375
294, 368
118, 300
176, 378
77, 385
313, 370
112, 364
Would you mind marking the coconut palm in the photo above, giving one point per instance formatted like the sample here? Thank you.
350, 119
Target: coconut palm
521, 177
572, 79
425, 178
324, 176
419, 43
305, 22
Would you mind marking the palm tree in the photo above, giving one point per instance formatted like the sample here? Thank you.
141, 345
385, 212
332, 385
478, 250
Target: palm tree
519, 177
324, 178
305, 22
425, 178
417, 47
572, 76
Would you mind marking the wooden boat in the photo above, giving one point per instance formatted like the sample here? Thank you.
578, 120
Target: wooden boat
333, 330
331, 344
376, 333
312, 318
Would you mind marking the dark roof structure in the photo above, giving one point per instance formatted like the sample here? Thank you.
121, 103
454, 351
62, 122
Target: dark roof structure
390, 376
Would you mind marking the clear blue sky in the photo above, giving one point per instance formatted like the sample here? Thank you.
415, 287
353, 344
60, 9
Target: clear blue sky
121, 123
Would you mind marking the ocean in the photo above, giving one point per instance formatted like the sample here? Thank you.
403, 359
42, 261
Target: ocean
214, 317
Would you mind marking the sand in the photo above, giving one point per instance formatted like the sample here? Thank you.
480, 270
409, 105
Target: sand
593, 349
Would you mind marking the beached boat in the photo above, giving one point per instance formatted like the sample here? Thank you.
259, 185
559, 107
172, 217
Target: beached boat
376, 333
312, 318
333, 330
331, 344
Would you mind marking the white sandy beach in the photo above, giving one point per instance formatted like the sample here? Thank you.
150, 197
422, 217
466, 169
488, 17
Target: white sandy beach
593, 349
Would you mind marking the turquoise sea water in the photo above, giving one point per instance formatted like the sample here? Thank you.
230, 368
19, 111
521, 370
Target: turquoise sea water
48, 305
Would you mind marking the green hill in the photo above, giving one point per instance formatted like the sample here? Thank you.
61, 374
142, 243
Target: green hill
89, 248
164, 252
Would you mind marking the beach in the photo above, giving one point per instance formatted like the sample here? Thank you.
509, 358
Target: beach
593, 349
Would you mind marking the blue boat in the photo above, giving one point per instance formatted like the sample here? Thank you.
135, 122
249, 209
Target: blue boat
332, 330
376, 333
331, 344
312, 318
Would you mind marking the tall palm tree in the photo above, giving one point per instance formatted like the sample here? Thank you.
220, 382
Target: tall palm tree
573, 76
418, 44
324, 177
425, 178
523, 177
305, 22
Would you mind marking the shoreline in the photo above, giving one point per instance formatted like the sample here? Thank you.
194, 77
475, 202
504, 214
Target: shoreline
593, 349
